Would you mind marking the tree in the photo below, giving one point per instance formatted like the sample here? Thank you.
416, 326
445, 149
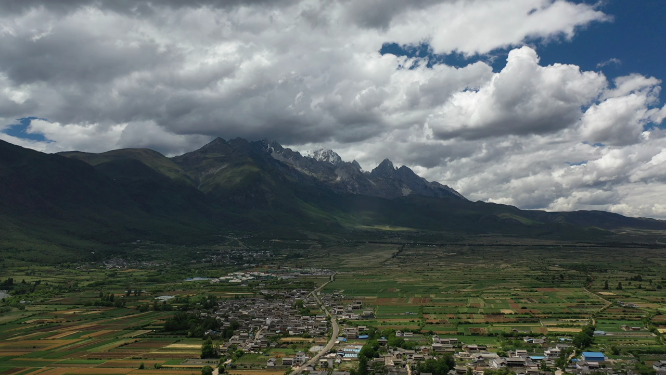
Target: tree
606, 285
207, 370
142, 366
582, 340
362, 365
208, 350
439, 366
619, 285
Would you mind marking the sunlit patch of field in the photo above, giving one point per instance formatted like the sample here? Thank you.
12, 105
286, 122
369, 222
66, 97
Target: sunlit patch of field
62, 334
563, 329
98, 333
134, 363
183, 346
135, 333
34, 345
295, 339
85, 371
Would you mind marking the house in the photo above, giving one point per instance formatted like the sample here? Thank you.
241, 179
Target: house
552, 353
585, 366
498, 363
287, 361
408, 334
300, 358
272, 362
594, 357
515, 362
351, 332
659, 367
326, 362
521, 353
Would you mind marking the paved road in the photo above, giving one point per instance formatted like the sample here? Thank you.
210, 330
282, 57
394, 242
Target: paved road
334, 335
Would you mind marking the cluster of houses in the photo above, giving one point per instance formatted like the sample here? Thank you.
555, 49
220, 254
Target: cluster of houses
241, 277
476, 357
259, 318
350, 311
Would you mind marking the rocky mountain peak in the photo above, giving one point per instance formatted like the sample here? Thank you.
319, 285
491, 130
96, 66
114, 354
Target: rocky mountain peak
325, 155
384, 169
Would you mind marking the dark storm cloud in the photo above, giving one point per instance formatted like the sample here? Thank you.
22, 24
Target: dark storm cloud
128, 6
378, 14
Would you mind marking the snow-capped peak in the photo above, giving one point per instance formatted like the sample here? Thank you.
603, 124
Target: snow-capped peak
325, 155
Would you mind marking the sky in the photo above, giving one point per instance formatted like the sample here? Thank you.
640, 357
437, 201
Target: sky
541, 104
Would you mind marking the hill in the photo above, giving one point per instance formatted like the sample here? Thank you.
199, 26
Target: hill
64, 205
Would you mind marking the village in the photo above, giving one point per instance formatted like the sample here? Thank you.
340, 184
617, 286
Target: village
265, 324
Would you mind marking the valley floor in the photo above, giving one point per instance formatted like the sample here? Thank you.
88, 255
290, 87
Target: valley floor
106, 318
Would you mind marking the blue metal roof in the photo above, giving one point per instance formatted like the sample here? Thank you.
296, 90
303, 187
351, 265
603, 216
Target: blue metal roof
589, 355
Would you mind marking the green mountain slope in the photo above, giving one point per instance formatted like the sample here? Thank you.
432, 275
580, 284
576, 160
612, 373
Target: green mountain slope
64, 206
53, 207
153, 159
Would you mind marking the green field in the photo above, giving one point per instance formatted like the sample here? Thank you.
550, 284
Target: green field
477, 293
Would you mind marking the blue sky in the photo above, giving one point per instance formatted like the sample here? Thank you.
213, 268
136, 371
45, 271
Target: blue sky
636, 36
633, 42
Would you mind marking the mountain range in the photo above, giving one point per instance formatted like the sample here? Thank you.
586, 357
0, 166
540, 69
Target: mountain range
71, 202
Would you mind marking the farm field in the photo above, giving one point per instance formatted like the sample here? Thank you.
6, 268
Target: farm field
479, 294
524, 291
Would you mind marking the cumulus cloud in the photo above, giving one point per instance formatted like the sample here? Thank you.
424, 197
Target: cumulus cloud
172, 74
524, 98
621, 117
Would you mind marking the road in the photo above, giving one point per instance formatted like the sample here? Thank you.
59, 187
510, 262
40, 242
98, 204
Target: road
334, 335
607, 303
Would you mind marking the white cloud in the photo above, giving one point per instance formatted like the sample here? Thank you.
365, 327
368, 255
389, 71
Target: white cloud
620, 118
611, 61
170, 75
524, 98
